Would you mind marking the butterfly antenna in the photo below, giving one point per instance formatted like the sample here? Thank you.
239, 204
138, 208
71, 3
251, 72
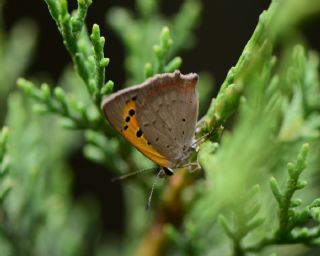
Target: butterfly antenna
122, 177
152, 189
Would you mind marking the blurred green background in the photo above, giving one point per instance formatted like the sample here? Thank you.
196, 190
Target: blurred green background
78, 193
225, 27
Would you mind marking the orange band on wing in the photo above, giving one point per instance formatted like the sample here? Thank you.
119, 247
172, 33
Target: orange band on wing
132, 132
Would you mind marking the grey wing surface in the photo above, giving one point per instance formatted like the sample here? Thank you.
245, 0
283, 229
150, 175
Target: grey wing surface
167, 113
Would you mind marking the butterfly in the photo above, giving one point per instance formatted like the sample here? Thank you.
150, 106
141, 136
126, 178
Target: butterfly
158, 117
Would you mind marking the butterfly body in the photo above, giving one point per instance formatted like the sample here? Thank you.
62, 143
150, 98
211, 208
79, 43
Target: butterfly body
158, 117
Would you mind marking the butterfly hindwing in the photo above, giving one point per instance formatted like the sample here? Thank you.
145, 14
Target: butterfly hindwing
168, 113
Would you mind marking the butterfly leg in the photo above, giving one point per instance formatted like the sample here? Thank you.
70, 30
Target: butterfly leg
194, 167
200, 140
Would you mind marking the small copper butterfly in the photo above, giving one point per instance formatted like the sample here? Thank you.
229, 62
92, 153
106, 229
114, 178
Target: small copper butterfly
158, 117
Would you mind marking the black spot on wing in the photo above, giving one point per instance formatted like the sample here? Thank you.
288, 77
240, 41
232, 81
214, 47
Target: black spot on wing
131, 112
139, 133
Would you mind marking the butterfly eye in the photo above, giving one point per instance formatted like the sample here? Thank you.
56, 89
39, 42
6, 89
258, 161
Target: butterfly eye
168, 171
